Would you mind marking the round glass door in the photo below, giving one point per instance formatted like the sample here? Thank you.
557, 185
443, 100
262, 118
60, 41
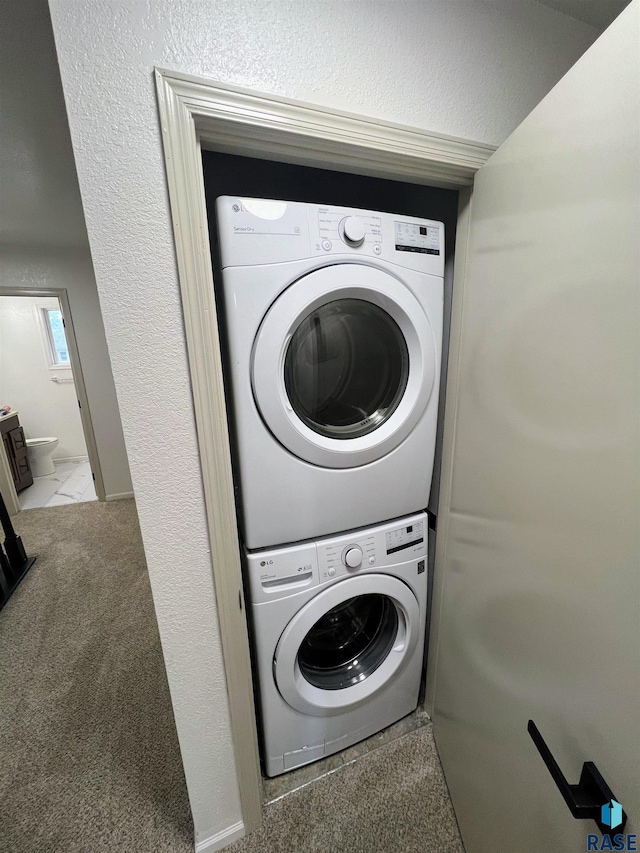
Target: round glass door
343, 365
349, 642
346, 368
346, 643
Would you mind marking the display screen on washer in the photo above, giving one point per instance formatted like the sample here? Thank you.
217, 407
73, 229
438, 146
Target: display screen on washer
349, 642
346, 368
404, 537
411, 237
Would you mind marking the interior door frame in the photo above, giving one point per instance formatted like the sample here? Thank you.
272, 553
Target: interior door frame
196, 113
62, 296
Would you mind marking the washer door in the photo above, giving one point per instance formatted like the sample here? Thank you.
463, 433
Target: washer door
343, 365
346, 644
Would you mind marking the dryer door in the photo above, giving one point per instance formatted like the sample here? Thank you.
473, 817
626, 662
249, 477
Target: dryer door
346, 644
343, 365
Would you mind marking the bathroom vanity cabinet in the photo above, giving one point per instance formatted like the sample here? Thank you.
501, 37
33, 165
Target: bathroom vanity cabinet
15, 447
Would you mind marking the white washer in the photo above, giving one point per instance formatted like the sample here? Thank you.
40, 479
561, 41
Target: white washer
338, 637
334, 333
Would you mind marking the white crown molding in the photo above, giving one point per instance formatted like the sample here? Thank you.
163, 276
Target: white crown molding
240, 121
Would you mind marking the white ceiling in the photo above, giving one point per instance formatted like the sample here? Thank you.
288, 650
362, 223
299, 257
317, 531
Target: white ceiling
597, 13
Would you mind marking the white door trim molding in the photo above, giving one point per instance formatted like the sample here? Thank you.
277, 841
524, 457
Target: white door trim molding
197, 113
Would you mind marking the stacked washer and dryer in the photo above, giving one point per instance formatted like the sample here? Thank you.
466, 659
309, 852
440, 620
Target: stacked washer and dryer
333, 323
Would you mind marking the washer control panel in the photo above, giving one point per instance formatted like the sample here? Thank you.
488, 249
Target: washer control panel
281, 572
403, 538
345, 556
371, 549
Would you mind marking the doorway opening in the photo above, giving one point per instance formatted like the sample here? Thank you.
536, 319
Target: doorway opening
48, 445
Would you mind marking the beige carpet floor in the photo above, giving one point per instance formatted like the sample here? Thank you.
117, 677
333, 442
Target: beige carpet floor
89, 758
391, 800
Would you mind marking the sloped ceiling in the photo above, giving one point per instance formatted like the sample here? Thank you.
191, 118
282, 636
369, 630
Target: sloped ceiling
597, 13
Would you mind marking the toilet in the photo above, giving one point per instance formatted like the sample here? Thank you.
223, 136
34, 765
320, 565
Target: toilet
39, 451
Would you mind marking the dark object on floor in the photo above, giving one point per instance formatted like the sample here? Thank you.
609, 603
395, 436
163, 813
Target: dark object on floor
14, 563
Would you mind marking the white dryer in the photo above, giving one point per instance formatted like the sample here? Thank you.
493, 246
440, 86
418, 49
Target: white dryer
338, 637
334, 334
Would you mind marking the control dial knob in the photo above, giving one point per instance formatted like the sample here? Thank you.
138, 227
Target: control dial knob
353, 231
353, 556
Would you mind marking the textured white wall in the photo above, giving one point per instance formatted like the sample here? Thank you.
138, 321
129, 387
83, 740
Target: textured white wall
45, 407
43, 239
71, 269
472, 69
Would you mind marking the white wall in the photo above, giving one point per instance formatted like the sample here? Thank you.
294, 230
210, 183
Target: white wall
45, 407
472, 69
43, 238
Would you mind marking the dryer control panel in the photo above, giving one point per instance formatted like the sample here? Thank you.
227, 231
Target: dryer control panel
264, 231
282, 572
350, 228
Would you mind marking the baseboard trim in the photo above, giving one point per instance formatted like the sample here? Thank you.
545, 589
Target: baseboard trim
118, 496
70, 459
221, 839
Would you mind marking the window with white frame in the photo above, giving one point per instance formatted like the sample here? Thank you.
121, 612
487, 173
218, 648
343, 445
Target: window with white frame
55, 337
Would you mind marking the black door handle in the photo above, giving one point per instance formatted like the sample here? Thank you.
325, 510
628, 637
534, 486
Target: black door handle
585, 800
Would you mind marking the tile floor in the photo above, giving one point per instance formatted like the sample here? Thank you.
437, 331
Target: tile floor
71, 483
